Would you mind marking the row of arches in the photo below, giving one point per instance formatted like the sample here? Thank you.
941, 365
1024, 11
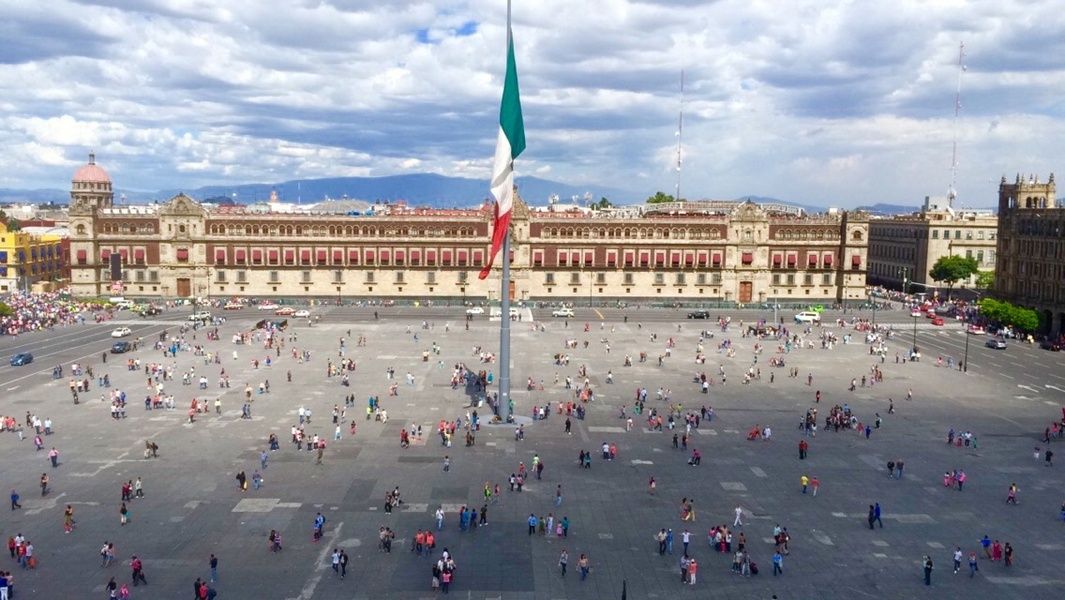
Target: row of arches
643, 233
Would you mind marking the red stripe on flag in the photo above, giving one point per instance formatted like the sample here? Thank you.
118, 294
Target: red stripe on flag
502, 226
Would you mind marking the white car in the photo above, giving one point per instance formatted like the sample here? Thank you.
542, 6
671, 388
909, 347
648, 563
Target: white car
268, 306
200, 316
562, 312
233, 306
808, 316
475, 310
916, 313
121, 332
302, 313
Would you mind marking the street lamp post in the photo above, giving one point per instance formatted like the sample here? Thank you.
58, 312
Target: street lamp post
965, 361
914, 350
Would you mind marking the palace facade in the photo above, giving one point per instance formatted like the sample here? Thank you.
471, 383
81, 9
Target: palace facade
687, 252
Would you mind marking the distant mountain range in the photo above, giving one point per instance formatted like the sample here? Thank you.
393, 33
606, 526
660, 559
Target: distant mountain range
421, 189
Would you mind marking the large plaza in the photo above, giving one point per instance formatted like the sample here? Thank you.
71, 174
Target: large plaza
193, 507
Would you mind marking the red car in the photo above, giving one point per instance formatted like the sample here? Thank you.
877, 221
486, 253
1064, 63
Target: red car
937, 321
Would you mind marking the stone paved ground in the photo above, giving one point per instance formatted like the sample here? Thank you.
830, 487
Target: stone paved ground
193, 508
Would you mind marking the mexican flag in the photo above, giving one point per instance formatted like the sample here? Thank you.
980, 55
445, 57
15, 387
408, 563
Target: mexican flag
509, 144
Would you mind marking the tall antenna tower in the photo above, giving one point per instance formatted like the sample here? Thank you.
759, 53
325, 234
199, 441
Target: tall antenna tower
680, 135
951, 191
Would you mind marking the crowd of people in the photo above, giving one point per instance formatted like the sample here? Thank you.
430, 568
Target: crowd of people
264, 347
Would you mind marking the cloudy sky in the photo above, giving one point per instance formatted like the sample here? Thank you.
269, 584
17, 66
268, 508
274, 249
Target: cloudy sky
831, 103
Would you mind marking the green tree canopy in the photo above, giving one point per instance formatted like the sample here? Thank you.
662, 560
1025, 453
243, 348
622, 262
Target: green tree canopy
5, 310
951, 269
985, 279
1006, 313
660, 197
603, 203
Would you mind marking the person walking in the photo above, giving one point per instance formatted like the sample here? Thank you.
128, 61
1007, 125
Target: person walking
123, 513
68, 519
957, 559
928, 570
563, 560
804, 481
876, 511
738, 521
973, 567
815, 484
213, 562
582, 564
137, 567
872, 516
343, 564
778, 563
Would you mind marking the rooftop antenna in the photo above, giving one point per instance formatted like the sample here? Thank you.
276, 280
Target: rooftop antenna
680, 134
951, 192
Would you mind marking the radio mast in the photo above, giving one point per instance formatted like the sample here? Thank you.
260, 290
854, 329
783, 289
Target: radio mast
680, 135
951, 191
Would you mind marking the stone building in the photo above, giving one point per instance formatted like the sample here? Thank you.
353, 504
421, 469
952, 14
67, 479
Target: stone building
903, 248
713, 252
1031, 248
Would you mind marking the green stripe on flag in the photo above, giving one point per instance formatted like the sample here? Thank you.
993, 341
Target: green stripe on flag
510, 109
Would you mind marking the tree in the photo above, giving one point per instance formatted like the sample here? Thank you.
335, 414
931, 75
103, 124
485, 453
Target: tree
5, 310
1006, 313
603, 203
985, 280
660, 197
951, 269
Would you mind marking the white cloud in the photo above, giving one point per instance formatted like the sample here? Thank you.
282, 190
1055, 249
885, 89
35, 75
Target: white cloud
835, 103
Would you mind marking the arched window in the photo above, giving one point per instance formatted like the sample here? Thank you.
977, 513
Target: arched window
857, 235
81, 229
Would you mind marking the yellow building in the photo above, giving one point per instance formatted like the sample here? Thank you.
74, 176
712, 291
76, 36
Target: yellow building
26, 259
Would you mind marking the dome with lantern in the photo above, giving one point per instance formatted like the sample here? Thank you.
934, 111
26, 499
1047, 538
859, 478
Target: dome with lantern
92, 174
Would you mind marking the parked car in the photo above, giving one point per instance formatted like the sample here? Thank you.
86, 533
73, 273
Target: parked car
285, 311
1052, 345
302, 313
268, 306
22, 358
996, 343
808, 316
699, 314
233, 306
475, 310
562, 312
121, 347
121, 332
201, 315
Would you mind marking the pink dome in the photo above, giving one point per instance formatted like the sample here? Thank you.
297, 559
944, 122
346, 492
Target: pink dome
91, 173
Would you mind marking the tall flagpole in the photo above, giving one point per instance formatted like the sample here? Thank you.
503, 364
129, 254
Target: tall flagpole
504, 309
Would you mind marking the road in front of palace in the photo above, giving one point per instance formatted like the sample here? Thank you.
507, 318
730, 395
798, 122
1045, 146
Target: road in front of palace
193, 508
